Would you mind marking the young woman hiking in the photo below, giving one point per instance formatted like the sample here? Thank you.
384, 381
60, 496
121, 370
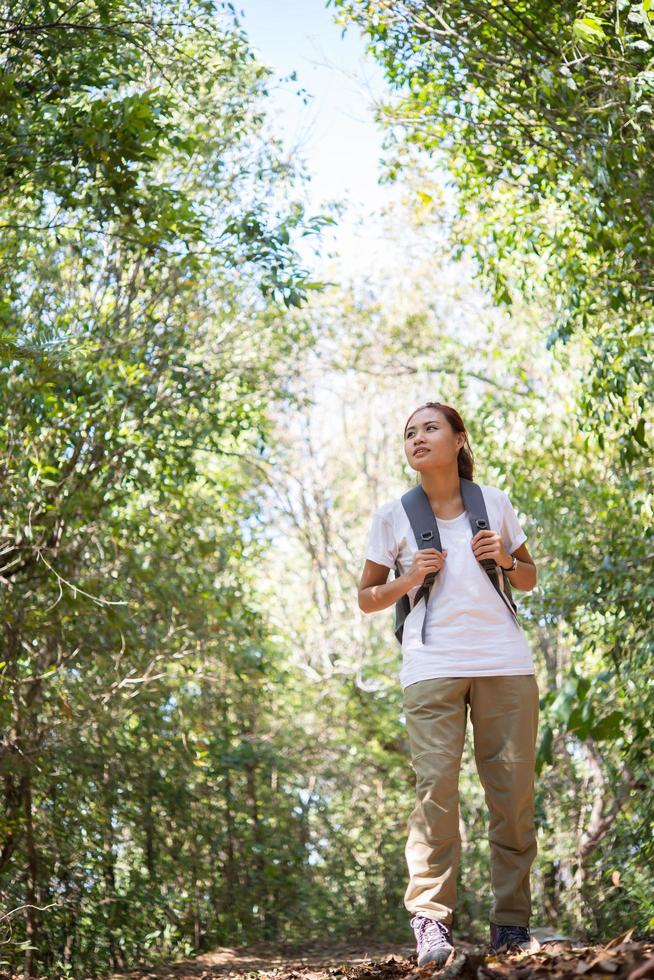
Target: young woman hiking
463, 651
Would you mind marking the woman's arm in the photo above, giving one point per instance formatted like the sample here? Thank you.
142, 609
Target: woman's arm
525, 575
375, 592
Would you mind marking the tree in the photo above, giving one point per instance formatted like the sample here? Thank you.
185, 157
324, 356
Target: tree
148, 268
540, 116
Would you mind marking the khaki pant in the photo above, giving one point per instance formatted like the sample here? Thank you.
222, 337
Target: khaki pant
504, 714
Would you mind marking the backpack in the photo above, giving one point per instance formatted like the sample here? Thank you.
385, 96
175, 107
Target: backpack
425, 528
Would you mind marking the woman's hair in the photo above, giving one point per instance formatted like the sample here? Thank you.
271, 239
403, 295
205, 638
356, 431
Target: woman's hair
465, 459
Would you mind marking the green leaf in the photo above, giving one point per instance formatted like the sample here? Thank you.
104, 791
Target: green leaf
589, 29
639, 433
610, 726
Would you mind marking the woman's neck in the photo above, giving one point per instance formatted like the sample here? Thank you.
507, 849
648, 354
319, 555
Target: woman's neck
443, 489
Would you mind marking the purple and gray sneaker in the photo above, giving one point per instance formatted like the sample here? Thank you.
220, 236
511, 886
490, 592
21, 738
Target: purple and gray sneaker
434, 939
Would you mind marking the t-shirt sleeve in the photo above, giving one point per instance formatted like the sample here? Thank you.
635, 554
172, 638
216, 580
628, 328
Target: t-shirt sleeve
512, 534
381, 546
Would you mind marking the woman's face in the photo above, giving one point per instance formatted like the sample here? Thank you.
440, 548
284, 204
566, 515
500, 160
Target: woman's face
430, 440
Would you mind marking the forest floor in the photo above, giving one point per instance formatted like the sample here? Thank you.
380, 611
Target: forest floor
621, 958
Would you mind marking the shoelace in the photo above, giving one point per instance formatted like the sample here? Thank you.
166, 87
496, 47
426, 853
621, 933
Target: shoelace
513, 934
435, 936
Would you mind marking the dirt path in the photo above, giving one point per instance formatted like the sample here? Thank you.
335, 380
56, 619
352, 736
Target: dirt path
620, 958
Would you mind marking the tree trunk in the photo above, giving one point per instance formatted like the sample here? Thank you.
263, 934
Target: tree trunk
31, 887
109, 867
15, 777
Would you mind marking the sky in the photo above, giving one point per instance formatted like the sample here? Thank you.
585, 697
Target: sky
335, 132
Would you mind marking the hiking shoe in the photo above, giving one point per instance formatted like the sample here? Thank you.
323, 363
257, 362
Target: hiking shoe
511, 938
434, 940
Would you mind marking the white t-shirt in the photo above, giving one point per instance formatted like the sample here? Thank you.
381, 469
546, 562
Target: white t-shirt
470, 631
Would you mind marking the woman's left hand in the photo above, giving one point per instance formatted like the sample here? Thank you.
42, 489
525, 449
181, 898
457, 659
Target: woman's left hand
488, 544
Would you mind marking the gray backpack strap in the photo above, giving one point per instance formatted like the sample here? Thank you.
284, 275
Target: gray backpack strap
425, 529
474, 503
402, 610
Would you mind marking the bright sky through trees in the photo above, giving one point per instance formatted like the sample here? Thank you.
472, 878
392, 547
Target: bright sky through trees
334, 132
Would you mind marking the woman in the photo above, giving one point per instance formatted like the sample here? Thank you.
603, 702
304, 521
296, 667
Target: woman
474, 656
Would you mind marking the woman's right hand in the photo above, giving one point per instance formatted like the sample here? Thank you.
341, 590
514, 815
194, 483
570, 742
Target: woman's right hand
425, 561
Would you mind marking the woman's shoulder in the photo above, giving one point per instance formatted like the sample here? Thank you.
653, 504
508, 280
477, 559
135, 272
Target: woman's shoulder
388, 510
496, 498
492, 492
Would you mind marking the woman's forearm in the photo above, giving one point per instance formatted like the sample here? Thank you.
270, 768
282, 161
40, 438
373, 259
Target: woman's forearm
524, 577
377, 597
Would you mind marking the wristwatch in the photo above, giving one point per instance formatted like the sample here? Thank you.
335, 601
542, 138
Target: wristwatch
514, 562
